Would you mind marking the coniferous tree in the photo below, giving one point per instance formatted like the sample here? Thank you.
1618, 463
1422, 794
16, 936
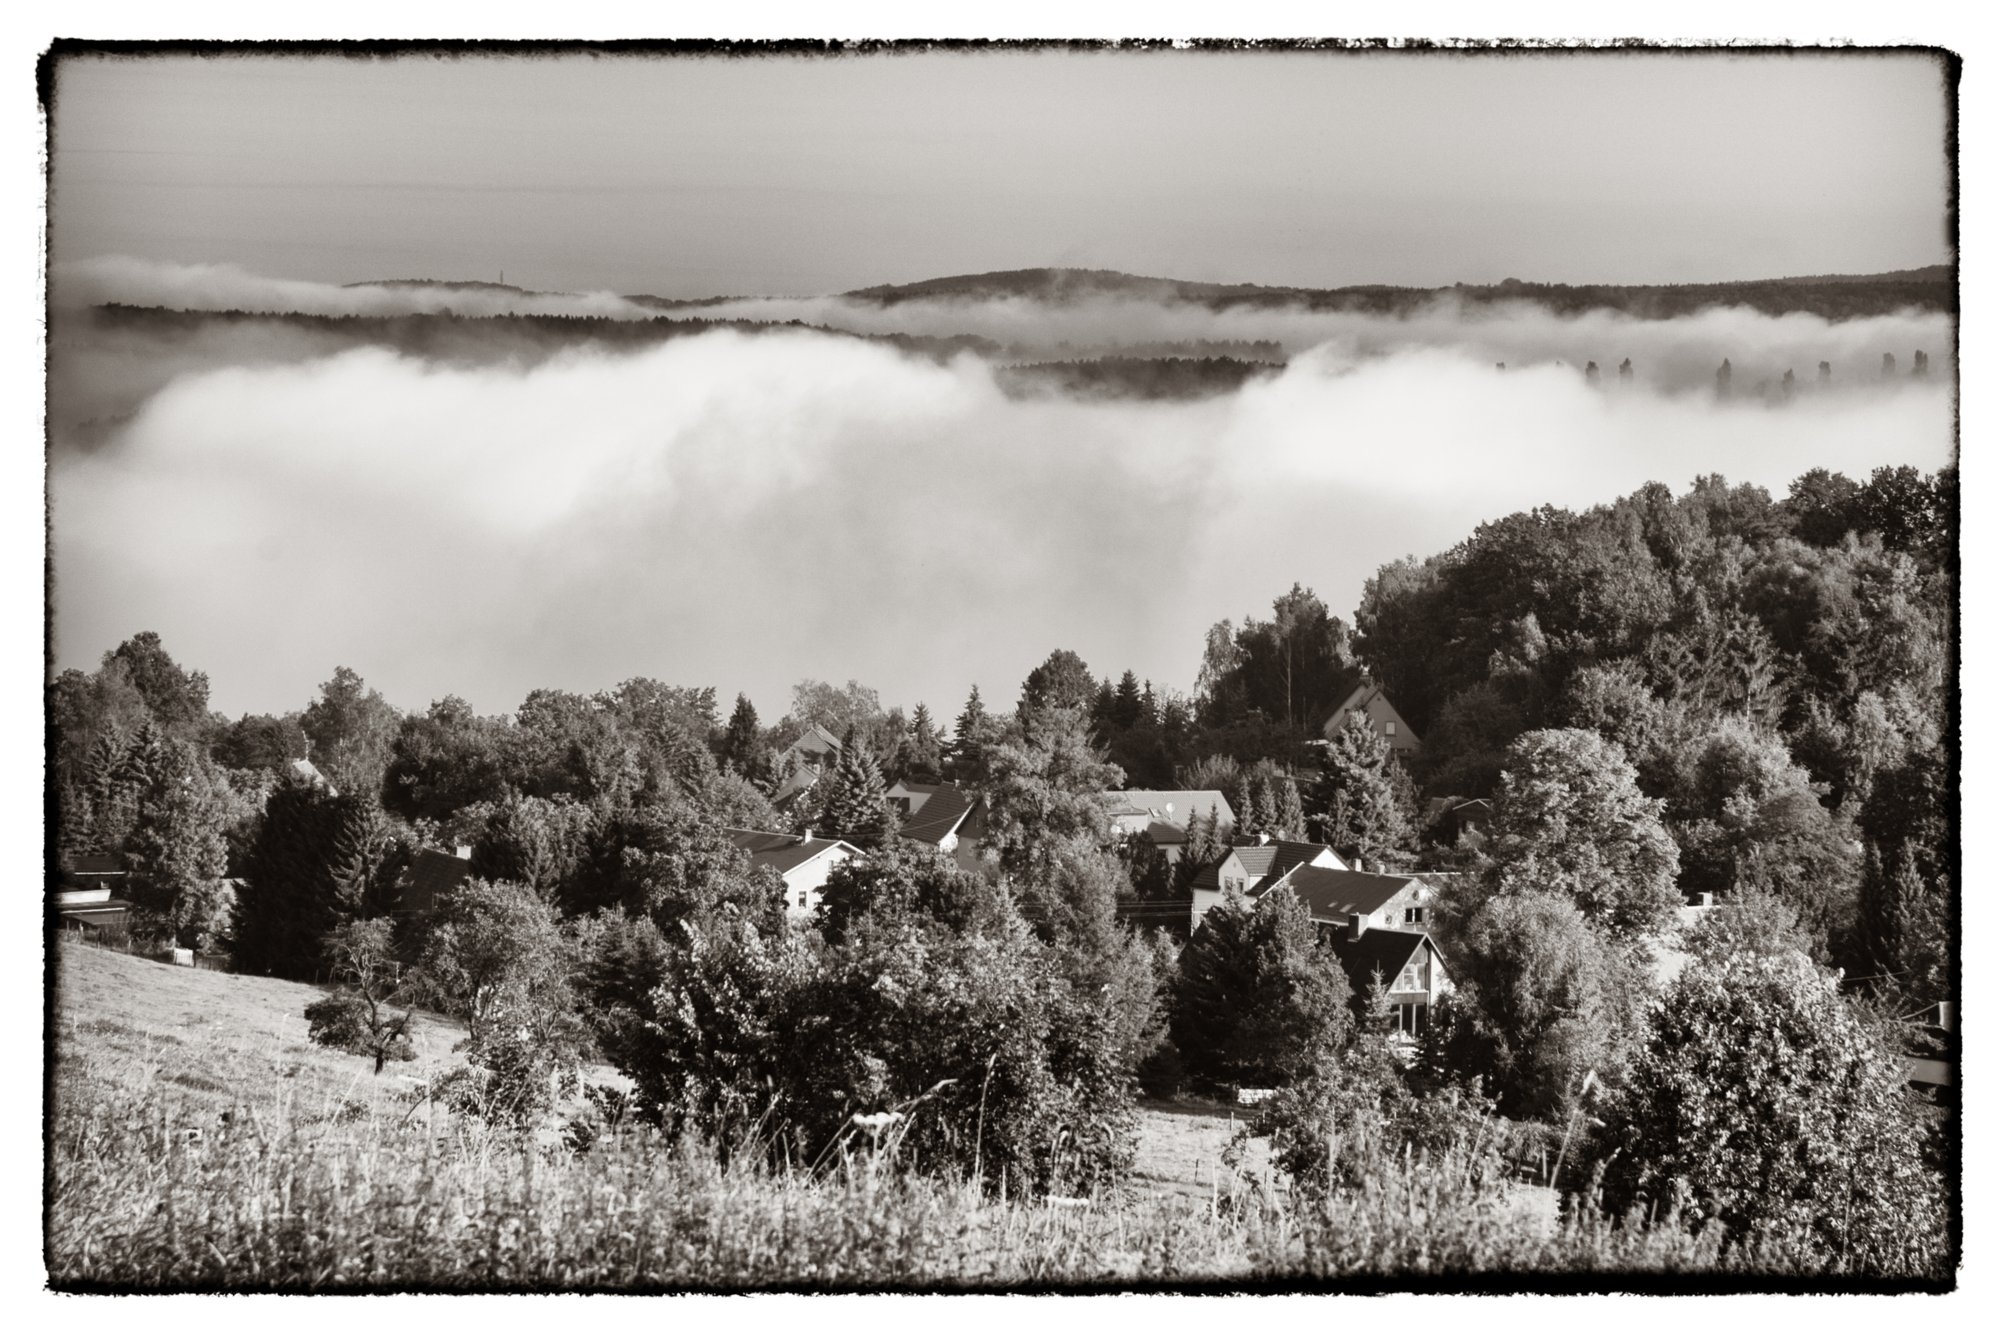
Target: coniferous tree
283, 912
742, 741
921, 754
1127, 702
856, 808
176, 850
1363, 804
1288, 818
973, 733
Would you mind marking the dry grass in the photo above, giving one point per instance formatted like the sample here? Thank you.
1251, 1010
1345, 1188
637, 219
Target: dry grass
197, 1140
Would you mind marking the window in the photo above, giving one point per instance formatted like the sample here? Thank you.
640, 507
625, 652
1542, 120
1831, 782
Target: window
1389, 728
1414, 914
803, 898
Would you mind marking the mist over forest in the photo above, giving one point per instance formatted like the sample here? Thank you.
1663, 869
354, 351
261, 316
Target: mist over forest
583, 487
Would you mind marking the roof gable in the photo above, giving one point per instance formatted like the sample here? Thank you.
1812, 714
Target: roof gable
1379, 950
941, 813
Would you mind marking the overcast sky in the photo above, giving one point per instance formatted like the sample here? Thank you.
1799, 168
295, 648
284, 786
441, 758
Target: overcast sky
713, 176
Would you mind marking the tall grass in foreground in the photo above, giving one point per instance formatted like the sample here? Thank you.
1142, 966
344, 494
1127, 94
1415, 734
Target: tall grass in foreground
145, 1195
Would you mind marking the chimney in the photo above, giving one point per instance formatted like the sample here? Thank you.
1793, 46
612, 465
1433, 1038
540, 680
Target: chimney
1704, 900
1357, 926
462, 850
806, 835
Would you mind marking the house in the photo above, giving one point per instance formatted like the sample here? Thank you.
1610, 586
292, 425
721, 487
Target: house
1163, 816
1248, 869
1452, 820
1409, 963
1375, 923
84, 898
941, 816
803, 861
301, 769
1368, 699
809, 754
430, 879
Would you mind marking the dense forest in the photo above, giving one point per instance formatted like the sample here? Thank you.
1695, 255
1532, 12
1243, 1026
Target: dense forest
1161, 378
1718, 692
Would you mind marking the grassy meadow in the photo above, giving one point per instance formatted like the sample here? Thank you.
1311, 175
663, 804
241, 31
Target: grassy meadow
198, 1140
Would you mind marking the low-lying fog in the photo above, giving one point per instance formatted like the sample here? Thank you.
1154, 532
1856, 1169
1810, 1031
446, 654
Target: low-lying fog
749, 509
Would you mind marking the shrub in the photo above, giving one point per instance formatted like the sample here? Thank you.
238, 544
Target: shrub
1760, 1102
343, 1021
1257, 1001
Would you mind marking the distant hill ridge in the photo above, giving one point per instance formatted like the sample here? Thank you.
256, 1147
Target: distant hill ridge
1931, 287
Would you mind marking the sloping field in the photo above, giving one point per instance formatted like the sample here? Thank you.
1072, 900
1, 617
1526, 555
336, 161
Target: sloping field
197, 1042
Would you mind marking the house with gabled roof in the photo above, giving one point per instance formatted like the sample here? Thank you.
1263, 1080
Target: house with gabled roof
1376, 923
942, 816
1369, 700
1245, 870
803, 862
803, 760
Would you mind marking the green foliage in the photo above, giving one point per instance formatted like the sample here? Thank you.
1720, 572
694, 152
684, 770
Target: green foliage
1570, 821
1257, 1001
357, 1019
318, 860
1763, 1105
352, 730
1541, 1003
543, 843
856, 807
742, 748
669, 864
1363, 803
1046, 790
501, 960
176, 850
444, 760
1345, 1125
989, 1063
908, 880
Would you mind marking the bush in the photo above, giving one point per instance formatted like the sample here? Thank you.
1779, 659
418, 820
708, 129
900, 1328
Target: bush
991, 1063
1257, 1002
1355, 1114
344, 1021
1759, 1102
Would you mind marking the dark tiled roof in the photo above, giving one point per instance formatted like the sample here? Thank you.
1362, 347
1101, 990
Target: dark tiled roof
776, 850
941, 812
431, 876
1376, 949
1334, 895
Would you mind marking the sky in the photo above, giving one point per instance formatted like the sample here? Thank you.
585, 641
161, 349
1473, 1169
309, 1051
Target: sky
785, 176
747, 511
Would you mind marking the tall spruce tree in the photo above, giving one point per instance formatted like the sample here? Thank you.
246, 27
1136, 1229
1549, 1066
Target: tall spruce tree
284, 912
856, 808
743, 740
176, 850
1363, 804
